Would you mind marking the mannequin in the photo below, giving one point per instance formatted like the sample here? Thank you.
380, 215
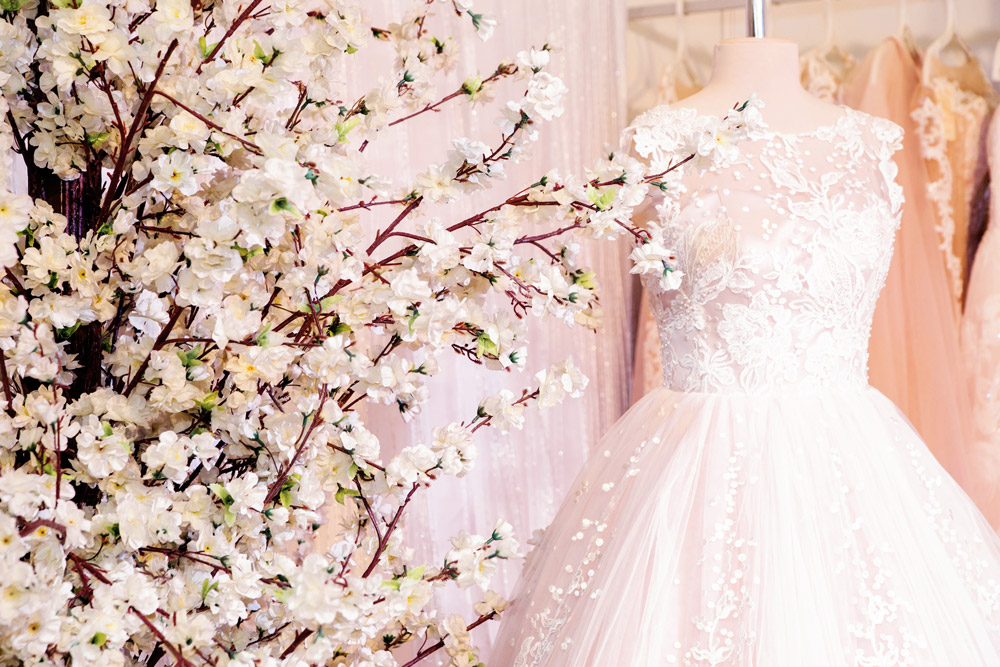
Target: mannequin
770, 68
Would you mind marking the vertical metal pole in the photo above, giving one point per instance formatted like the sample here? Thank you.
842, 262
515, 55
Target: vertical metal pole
755, 18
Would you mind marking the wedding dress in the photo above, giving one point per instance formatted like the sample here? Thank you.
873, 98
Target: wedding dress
981, 344
766, 507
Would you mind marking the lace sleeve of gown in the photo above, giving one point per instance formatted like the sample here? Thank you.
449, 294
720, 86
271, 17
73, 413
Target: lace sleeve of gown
652, 137
656, 138
890, 137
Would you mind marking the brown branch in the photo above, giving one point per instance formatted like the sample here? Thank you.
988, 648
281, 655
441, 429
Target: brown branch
275, 489
215, 126
500, 72
299, 638
133, 131
175, 313
181, 661
229, 33
8, 394
380, 238
388, 532
438, 646
38, 523
368, 204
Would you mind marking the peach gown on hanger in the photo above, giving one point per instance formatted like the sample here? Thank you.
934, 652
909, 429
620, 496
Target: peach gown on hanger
952, 109
915, 357
981, 343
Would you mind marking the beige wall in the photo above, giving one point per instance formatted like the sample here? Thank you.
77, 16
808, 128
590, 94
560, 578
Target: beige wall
859, 25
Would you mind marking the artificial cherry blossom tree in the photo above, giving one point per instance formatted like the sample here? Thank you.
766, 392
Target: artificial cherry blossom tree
204, 288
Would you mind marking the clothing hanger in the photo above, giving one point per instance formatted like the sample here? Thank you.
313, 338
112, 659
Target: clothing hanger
681, 41
995, 74
950, 57
905, 35
830, 50
949, 45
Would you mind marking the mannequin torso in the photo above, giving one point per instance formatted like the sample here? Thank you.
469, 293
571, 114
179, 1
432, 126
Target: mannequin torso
769, 68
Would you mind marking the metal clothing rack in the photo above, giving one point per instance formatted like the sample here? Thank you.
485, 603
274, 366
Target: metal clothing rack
657, 9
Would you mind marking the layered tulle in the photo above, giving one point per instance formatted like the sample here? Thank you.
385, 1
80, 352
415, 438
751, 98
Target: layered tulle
777, 530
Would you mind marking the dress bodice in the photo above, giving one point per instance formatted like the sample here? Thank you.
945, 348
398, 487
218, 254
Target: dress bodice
783, 250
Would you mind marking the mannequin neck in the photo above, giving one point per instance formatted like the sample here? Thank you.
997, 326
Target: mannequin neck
768, 67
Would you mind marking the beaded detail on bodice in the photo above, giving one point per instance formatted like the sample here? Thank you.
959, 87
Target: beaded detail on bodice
784, 250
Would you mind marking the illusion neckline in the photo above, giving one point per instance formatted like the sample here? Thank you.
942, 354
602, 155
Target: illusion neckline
831, 127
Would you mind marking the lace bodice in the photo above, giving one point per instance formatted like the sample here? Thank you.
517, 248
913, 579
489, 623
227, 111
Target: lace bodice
784, 252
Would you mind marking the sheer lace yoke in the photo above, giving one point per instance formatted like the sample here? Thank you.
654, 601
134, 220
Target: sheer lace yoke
784, 252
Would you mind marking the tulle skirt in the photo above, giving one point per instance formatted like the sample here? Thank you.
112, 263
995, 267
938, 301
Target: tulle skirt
760, 531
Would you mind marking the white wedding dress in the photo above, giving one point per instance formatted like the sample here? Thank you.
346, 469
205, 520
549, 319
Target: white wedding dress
766, 507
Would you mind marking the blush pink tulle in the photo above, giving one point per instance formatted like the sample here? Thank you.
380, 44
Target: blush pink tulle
786, 524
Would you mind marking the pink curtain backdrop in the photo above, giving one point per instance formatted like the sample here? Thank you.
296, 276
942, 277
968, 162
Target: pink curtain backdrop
524, 475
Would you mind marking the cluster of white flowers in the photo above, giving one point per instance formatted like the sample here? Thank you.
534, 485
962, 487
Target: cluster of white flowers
182, 375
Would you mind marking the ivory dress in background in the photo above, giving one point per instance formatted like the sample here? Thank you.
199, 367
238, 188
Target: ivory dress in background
952, 109
825, 70
766, 506
981, 345
915, 359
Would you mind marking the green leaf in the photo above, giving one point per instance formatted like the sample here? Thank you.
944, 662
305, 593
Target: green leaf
601, 199
584, 280
266, 58
417, 572
344, 128
285, 496
261, 338
344, 492
190, 358
486, 346
282, 204
472, 86
98, 639
209, 402
413, 317
95, 139
66, 332
206, 48
476, 19
12, 6
207, 587
246, 254
223, 495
